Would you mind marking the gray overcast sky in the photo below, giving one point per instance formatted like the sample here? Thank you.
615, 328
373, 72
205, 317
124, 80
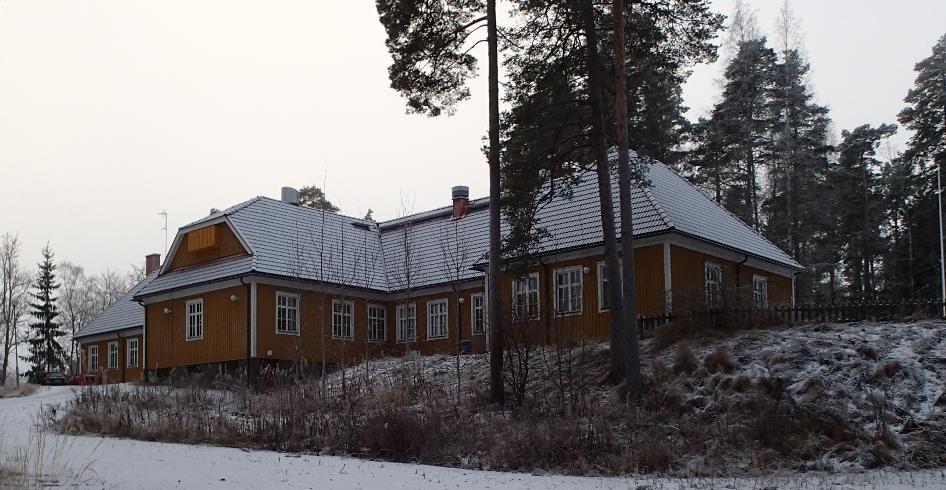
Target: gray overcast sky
112, 110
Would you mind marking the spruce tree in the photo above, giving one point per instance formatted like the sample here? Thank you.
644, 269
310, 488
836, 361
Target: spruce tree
45, 352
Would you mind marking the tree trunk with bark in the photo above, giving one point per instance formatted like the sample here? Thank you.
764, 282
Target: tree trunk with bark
632, 365
496, 390
595, 90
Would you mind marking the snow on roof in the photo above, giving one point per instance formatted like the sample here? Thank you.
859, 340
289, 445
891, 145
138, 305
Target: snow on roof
123, 314
430, 248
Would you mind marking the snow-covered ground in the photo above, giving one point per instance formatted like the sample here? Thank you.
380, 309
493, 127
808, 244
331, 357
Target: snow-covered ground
92, 462
843, 358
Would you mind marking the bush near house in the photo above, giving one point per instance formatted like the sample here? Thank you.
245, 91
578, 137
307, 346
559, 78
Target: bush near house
816, 397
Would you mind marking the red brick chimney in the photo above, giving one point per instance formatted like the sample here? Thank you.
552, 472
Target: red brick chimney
152, 262
461, 201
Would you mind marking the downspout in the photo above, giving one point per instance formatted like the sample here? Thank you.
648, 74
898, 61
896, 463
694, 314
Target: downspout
144, 342
745, 258
794, 275
121, 348
249, 336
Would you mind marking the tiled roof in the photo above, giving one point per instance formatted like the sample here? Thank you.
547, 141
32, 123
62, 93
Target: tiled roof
430, 248
125, 313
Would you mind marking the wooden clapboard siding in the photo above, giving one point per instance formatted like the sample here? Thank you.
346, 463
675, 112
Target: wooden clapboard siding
206, 244
688, 281
592, 323
449, 345
226, 327
122, 372
315, 325
225, 330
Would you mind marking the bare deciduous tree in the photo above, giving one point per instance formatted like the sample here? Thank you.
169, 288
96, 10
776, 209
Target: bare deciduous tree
75, 303
14, 286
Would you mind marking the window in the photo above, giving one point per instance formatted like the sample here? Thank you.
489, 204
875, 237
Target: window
377, 326
93, 358
760, 291
132, 345
195, 319
437, 326
287, 313
341, 319
112, 355
713, 276
525, 297
568, 289
406, 322
602, 287
478, 313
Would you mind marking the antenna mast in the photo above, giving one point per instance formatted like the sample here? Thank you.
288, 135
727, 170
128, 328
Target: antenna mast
164, 214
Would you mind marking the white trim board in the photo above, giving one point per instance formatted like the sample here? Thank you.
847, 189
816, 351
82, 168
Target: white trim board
113, 335
179, 237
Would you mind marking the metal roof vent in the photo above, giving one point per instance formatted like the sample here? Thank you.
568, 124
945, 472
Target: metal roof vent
290, 195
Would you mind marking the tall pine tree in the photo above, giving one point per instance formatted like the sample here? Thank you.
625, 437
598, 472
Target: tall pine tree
856, 181
45, 352
735, 139
797, 163
924, 114
560, 98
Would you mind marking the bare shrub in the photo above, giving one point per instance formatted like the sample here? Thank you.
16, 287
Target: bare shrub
684, 361
887, 370
719, 361
12, 390
652, 456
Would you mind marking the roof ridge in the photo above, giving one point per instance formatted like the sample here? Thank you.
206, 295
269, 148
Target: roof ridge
431, 213
316, 210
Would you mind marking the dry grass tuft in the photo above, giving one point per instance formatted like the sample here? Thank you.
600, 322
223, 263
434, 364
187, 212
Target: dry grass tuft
684, 361
719, 361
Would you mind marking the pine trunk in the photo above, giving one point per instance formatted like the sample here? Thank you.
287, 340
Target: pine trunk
495, 320
595, 84
632, 364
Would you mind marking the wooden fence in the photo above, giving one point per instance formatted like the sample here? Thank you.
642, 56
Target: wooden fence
801, 314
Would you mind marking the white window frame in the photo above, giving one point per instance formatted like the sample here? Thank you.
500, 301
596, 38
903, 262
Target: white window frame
197, 316
602, 269
713, 289
132, 353
602, 279
339, 319
478, 325
531, 297
570, 290
112, 358
375, 322
438, 319
289, 324
407, 322
93, 358
760, 296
